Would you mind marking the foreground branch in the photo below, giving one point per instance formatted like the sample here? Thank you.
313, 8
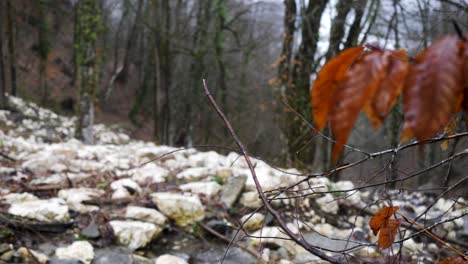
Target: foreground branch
265, 200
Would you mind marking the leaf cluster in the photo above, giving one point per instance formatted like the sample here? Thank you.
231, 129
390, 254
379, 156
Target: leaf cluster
434, 88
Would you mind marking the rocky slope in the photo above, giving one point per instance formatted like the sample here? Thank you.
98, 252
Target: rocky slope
65, 202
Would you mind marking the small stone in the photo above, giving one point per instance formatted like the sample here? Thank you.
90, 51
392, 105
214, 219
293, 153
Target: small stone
18, 198
51, 210
253, 221
134, 234
328, 204
183, 209
108, 256
170, 259
91, 231
145, 214
4, 247
206, 188
232, 189
79, 250
7, 256
250, 200
40, 257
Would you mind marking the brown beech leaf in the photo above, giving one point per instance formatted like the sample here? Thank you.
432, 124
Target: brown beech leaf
353, 92
432, 88
379, 219
387, 233
325, 84
390, 87
454, 260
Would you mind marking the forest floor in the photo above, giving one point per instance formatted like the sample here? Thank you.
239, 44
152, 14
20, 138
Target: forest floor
123, 200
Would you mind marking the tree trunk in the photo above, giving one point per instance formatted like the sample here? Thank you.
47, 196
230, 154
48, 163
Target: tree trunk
297, 92
88, 25
11, 27
3, 99
337, 30
44, 48
284, 72
356, 27
130, 40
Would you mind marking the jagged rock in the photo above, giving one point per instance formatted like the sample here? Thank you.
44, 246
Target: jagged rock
232, 189
75, 196
124, 188
183, 209
207, 188
250, 200
145, 214
134, 234
166, 259
79, 250
51, 210
253, 221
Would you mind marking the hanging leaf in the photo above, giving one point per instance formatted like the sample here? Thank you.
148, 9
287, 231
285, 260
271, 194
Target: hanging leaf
352, 93
454, 260
379, 219
325, 84
390, 87
432, 88
387, 233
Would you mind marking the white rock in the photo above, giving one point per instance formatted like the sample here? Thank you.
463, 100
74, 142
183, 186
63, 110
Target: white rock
145, 214
250, 200
253, 221
149, 172
210, 159
170, 259
207, 188
328, 204
273, 235
18, 198
120, 188
134, 234
181, 208
410, 247
52, 210
341, 185
75, 196
79, 250
196, 173
54, 179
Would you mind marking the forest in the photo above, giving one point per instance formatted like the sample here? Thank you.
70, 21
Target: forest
275, 131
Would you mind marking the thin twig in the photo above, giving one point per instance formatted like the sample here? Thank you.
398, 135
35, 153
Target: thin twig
265, 201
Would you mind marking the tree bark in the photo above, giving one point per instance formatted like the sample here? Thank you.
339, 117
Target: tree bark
44, 48
11, 27
3, 99
356, 27
337, 30
284, 72
297, 91
89, 24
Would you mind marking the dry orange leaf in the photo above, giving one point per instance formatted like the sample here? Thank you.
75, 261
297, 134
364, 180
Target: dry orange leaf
325, 84
387, 233
432, 88
379, 219
352, 93
454, 260
390, 88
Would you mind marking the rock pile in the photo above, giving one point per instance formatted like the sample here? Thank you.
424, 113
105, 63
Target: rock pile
97, 204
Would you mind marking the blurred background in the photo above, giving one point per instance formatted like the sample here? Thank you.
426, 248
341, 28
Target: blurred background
139, 65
